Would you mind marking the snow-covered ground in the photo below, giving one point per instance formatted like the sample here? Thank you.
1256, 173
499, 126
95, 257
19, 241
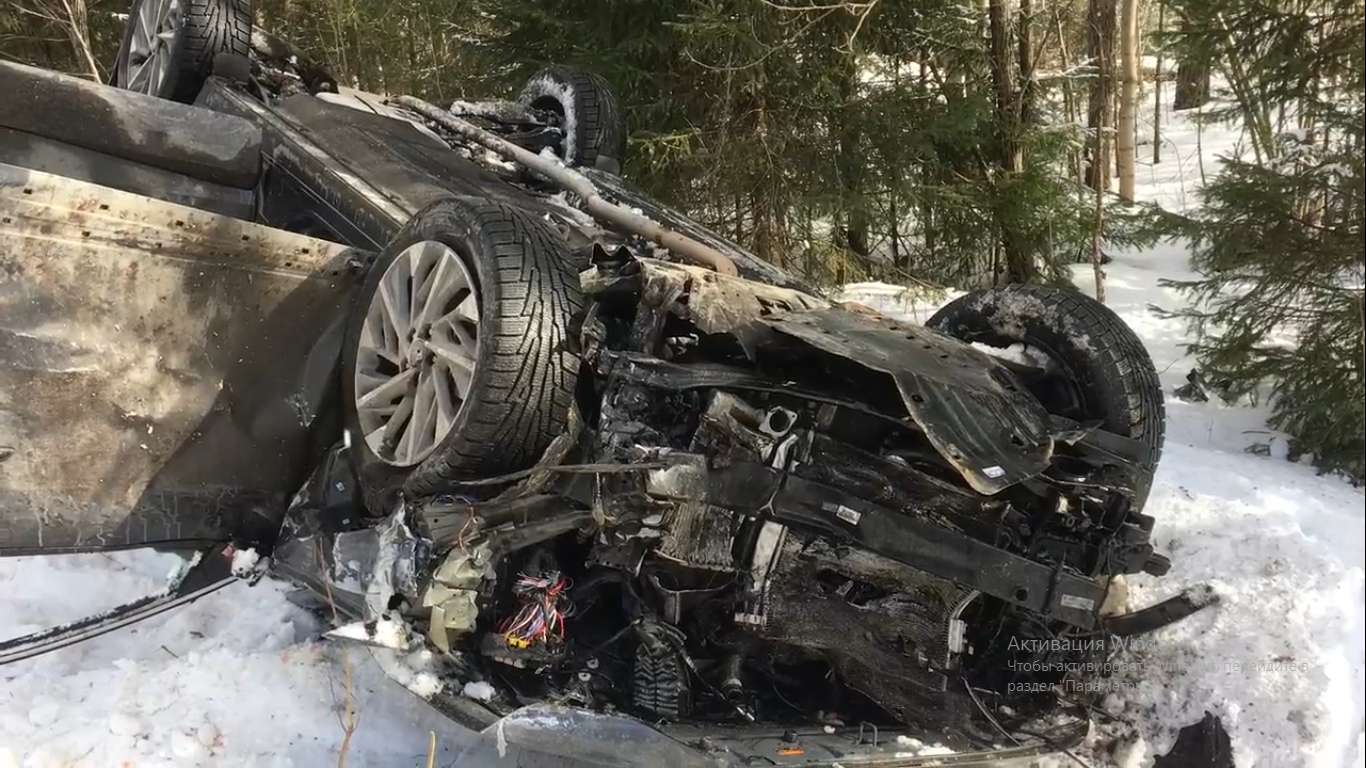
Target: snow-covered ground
1281, 659
241, 678
237, 678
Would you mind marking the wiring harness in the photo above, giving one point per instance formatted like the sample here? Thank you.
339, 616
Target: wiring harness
544, 607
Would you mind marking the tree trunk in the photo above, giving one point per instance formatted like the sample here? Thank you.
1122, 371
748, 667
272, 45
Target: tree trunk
1128, 99
1097, 260
1019, 264
1192, 85
1025, 46
1157, 82
1100, 116
850, 161
1068, 99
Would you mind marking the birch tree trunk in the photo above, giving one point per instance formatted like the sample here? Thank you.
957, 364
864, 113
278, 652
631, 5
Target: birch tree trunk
1157, 81
1128, 98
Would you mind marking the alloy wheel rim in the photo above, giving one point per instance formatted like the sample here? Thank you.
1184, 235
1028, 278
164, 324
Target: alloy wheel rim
417, 353
156, 23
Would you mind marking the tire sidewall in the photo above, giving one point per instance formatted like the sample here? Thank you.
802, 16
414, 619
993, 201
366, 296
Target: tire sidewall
607, 138
185, 76
1028, 314
451, 223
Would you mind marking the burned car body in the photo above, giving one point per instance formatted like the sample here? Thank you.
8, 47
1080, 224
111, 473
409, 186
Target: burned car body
724, 506
644, 486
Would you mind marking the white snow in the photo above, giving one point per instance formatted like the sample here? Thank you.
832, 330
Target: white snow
244, 562
236, 678
385, 633
917, 748
478, 690
916, 302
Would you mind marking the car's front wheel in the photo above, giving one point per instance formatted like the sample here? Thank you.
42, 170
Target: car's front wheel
457, 362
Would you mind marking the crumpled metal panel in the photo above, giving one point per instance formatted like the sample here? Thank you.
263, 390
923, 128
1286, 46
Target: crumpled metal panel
716, 303
968, 404
168, 374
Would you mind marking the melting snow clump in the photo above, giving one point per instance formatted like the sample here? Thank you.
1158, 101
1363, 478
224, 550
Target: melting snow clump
478, 690
244, 563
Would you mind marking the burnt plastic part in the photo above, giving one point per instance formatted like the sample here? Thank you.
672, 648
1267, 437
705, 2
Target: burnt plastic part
162, 134
886, 625
659, 682
1052, 591
548, 736
1200, 745
495, 646
1162, 614
321, 544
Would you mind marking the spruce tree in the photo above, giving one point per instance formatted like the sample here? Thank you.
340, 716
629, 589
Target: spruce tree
1279, 240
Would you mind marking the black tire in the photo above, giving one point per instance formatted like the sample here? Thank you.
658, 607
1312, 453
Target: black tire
208, 29
525, 373
1113, 375
597, 136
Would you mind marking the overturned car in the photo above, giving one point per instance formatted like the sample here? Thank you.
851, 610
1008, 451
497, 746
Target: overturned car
480, 395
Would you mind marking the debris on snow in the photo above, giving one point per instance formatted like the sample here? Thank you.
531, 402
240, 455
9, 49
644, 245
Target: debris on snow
415, 671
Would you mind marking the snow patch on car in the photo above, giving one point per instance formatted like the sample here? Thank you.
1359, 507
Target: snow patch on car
244, 562
918, 748
478, 690
1010, 312
417, 671
1019, 352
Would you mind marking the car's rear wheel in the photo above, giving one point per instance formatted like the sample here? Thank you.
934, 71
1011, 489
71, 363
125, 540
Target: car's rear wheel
456, 362
169, 46
594, 130
1100, 368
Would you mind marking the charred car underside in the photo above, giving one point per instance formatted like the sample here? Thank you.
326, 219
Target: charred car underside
600, 459
724, 534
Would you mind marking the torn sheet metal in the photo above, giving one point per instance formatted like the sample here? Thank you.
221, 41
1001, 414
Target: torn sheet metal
969, 406
169, 374
716, 303
399, 558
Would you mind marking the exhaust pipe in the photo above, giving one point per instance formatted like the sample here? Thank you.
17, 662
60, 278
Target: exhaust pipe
572, 181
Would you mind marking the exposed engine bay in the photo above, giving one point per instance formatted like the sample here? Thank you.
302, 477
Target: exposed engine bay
723, 536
